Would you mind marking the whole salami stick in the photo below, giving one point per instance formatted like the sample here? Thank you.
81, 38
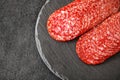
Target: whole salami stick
102, 42
78, 17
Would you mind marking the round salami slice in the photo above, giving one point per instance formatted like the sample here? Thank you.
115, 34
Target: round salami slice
78, 17
100, 43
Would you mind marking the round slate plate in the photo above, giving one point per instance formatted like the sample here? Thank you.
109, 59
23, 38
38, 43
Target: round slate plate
61, 58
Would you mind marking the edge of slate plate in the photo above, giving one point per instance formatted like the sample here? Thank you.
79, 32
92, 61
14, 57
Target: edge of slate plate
39, 47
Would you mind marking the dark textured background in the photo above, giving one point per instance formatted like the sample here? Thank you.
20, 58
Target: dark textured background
19, 58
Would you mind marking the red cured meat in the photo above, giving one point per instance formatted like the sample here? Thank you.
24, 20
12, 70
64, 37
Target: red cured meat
78, 17
100, 43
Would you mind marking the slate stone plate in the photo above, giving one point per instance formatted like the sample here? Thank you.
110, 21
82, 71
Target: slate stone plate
61, 58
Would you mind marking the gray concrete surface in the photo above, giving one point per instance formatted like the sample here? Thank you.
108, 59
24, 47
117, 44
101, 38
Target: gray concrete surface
19, 58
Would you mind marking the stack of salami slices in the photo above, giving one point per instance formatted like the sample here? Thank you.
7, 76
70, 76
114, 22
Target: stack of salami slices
95, 22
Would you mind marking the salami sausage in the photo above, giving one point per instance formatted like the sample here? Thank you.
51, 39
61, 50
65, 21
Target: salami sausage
100, 43
78, 17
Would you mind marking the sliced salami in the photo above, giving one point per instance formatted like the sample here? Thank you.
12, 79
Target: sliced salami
78, 17
100, 43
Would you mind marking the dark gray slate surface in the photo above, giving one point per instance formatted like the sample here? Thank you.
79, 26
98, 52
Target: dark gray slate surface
19, 58
61, 57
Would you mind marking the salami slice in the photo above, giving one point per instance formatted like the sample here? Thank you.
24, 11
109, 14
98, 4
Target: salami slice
100, 43
78, 17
